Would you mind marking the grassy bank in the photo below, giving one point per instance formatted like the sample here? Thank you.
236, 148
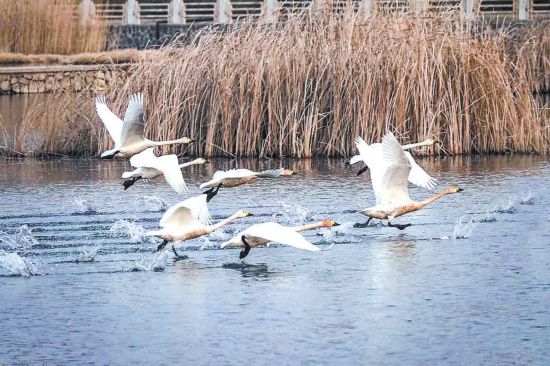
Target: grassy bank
48, 27
308, 86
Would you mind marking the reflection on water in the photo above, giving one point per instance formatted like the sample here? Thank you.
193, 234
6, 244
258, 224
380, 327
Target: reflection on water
472, 272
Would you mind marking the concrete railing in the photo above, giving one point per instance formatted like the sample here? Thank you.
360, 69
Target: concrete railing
227, 11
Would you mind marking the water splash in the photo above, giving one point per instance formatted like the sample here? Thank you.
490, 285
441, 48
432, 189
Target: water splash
12, 264
156, 262
88, 255
21, 239
125, 228
83, 207
508, 207
462, 230
155, 204
527, 199
293, 214
487, 217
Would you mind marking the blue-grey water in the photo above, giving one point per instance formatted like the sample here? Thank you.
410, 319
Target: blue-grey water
468, 283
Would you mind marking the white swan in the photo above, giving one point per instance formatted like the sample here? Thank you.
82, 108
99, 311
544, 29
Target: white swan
190, 219
261, 234
149, 166
372, 156
128, 135
390, 181
237, 177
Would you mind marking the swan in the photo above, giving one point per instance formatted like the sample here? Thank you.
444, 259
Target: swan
236, 242
149, 166
372, 154
237, 177
390, 180
261, 234
190, 219
128, 135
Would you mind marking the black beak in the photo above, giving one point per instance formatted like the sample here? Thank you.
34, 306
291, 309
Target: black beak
206, 161
460, 190
250, 214
364, 169
336, 224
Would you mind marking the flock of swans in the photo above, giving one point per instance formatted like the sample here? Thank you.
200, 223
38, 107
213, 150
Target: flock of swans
391, 168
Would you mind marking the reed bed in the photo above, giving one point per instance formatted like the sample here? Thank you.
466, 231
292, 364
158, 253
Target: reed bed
48, 27
306, 87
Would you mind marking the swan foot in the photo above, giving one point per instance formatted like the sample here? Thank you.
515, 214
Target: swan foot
363, 225
162, 245
178, 256
362, 170
243, 253
399, 226
130, 182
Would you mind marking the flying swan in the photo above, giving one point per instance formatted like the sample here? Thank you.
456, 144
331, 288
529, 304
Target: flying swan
128, 135
237, 177
261, 234
149, 166
190, 219
390, 180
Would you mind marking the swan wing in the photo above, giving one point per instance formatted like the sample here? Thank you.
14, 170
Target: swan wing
134, 121
274, 232
418, 176
112, 123
238, 173
169, 166
395, 178
363, 149
145, 159
190, 212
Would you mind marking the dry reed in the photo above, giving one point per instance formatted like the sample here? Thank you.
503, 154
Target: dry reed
108, 57
308, 86
48, 27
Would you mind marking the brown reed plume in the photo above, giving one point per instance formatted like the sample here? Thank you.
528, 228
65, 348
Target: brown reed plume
48, 27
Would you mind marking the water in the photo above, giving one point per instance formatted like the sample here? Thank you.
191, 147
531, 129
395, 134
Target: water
468, 283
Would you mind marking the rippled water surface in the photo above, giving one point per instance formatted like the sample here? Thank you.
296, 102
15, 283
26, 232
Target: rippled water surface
468, 283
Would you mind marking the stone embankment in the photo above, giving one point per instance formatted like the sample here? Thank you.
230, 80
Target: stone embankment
61, 78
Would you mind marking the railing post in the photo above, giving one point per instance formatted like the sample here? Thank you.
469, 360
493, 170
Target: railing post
131, 12
523, 11
367, 8
223, 12
86, 10
176, 12
467, 7
271, 9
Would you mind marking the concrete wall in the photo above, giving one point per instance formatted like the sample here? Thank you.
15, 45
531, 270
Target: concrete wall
60, 78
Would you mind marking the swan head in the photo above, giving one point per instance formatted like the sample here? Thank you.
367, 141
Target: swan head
243, 213
330, 223
454, 189
288, 172
200, 161
186, 140
432, 141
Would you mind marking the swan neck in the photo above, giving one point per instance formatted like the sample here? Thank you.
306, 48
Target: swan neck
315, 225
168, 142
189, 163
224, 222
417, 144
433, 198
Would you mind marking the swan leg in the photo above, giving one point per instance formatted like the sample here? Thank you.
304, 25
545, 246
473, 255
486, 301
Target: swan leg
246, 249
178, 257
363, 225
130, 182
162, 245
399, 226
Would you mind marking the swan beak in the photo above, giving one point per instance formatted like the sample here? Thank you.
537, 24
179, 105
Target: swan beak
459, 189
207, 161
250, 214
192, 141
336, 224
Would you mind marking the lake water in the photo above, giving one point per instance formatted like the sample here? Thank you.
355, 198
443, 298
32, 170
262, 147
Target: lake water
468, 283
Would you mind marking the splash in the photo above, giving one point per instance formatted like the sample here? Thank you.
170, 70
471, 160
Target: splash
156, 262
293, 214
527, 199
508, 207
12, 264
487, 217
21, 239
155, 204
87, 255
83, 207
124, 228
462, 230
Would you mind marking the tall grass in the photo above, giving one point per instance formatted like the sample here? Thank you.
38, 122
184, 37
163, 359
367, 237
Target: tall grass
47, 26
308, 86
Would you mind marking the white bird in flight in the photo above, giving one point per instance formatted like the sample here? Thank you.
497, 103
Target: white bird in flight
128, 135
237, 177
190, 219
149, 166
261, 234
390, 176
